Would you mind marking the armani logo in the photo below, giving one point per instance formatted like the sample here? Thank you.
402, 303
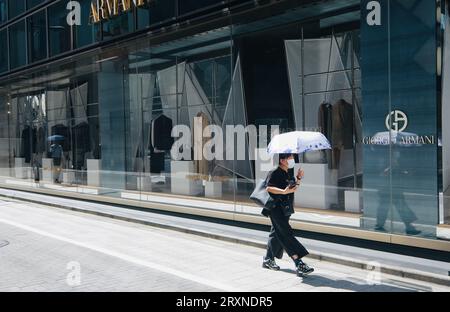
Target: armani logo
397, 121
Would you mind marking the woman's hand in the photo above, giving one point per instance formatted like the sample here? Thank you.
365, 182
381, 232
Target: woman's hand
289, 190
300, 174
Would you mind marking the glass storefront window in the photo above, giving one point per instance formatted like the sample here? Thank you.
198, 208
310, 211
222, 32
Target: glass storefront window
372, 90
16, 7
37, 36
187, 6
400, 99
3, 11
59, 31
4, 51
86, 33
32, 3
119, 25
155, 12
17, 45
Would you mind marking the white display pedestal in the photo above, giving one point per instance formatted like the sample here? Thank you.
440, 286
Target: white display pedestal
182, 169
47, 170
318, 188
93, 172
69, 176
144, 184
180, 181
213, 189
353, 201
263, 163
20, 169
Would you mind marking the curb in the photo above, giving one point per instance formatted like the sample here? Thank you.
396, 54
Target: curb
369, 266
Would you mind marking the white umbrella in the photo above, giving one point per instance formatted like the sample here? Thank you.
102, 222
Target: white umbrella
298, 142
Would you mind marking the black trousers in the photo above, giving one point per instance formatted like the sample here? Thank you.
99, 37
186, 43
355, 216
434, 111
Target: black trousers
282, 237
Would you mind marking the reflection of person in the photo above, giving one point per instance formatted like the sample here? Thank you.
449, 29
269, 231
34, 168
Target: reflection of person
398, 200
36, 167
56, 152
282, 185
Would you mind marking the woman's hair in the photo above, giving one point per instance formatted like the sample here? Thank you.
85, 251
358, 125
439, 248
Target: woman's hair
284, 156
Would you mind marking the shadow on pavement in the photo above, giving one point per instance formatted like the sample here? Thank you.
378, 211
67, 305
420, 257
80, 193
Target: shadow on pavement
317, 280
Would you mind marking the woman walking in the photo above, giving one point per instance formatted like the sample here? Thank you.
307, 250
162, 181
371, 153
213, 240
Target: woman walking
282, 185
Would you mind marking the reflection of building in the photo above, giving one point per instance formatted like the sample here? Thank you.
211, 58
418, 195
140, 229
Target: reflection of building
114, 90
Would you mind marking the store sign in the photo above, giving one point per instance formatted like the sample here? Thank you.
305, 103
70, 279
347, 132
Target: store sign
374, 13
386, 138
396, 123
74, 16
105, 9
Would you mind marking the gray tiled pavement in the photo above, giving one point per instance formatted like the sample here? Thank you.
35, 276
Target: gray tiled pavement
121, 256
360, 254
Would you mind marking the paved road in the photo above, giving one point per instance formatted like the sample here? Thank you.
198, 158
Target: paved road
47, 249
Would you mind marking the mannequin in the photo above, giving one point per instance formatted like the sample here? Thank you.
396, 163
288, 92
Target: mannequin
342, 124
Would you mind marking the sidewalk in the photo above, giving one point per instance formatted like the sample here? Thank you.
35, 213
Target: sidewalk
362, 258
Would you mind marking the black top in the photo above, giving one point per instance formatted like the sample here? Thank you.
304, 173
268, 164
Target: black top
282, 179
161, 133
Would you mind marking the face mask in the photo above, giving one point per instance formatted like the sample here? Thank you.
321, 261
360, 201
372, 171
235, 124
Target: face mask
291, 163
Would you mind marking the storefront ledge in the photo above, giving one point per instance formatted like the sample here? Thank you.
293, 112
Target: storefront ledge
250, 218
329, 212
57, 187
330, 219
396, 271
421, 242
311, 215
306, 214
189, 202
74, 189
22, 183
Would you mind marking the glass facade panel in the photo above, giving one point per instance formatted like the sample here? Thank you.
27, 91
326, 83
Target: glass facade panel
400, 89
155, 12
37, 36
32, 3
444, 144
60, 33
16, 7
3, 52
17, 45
187, 6
117, 26
3, 11
86, 33
184, 117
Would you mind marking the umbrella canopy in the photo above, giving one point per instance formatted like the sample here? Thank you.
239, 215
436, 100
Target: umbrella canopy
298, 142
55, 138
